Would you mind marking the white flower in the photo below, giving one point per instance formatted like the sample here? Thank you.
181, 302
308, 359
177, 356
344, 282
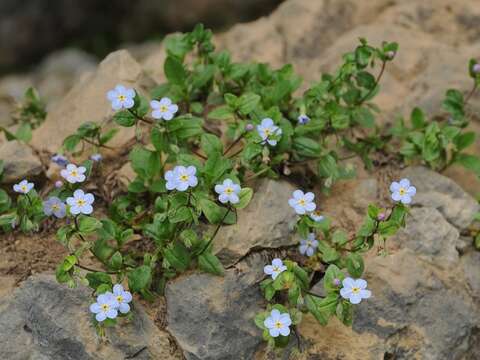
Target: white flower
228, 192
275, 269
315, 216
308, 245
122, 298
105, 307
121, 97
402, 191
181, 178
267, 129
74, 174
23, 187
163, 109
54, 206
278, 324
303, 119
355, 290
96, 157
302, 203
81, 203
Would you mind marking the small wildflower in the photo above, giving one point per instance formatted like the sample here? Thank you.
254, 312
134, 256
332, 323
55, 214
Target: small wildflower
402, 191
121, 97
59, 160
74, 174
23, 187
58, 184
249, 127
476, 68
105, 307
354, 290
302, 203
181, 178
278, 324
381, 216
163, 109
275, 269
336, 282
303, 119
96, 157
81, 203
308, 245
267, 129
54, 206
315, 216
122, 298
228, 192
390, 54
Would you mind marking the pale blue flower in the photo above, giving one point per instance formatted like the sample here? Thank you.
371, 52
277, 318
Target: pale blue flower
275, 269
74, 174
105, 307
81, 203
269, 132
54, 206
303, 119
316, 216
278, 324
228, 192
163, 109
59, 160
96, 157
354, 290
23, 187
302, 203
181, 178
309, 245
402, 191
121, 97
122, 298
58, 184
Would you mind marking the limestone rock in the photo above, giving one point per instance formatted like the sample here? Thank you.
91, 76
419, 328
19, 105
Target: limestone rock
45, 320
211, 317
267, 222
19, 161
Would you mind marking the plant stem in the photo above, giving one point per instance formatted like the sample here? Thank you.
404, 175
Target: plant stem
470, 94
215, 232
235, 142
377, 80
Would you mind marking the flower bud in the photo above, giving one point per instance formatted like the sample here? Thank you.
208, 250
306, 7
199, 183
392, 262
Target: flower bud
336, 282
476, 68
58, 184
381, 216
390, 54
249, 127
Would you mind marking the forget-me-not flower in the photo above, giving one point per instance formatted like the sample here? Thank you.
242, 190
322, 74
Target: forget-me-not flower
354, 290
74, 174
269, 132
54, 206
121, 97
275, 269
228, 192
96, 157
181, 178
303, 119
105, 307
59, 160
309, 245
122, 298
278, 323
402, 191
23, 187
81, 203
163, 109
302, 203
316, 216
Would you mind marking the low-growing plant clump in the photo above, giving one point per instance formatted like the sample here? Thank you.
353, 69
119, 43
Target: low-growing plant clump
202, 138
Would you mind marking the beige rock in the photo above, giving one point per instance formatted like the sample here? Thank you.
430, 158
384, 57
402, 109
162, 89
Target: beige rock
19, 161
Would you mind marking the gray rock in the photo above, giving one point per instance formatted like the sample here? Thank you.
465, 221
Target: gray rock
471, 268
431, 236
267, 222
442, 193
212, 317
45, 320
20, 162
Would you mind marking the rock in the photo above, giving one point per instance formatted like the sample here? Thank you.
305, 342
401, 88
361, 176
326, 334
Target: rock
211, 317
267, 222
87, 102
430, 235
45, 320
19, 162
437, 191
470, 263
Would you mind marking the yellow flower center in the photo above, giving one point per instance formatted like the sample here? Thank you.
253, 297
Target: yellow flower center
355, 290
24, 188
122, 97
184, 177
81, 202
105, 307
402, 191
276, 268
278, 325
301, 202
120, 298
228, 191
163, 108
55, 207
74, 173
267, 132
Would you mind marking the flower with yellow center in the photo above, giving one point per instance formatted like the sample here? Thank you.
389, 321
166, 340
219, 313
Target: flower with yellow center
163, 109
275, 269
278, 324
121, 97
228, 192
54, 206
80, 203
122, 298
181, 178
354, 290
105, 307
269, 132
302, 203
23, 187
402, 191
74, 174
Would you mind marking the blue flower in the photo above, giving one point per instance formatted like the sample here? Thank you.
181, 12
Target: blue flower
96, 157
105, 307
81, 203
278, 324
163, 109
402, 191
59, 160
269, 132
74, 174
122, 298
354, 290
181, 178
308, 245
54, 206
228, 192
302, 203
303, 119
23, 187
275, 269
316, 216
121, 97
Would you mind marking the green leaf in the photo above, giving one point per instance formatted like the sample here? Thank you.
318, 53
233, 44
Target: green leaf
339, 237
245, 196
211, 144
24, 132
140, 278
221, 113
71, 142
88, 224
364, 117
174, 71
210, 263
332, 273
178, 256
470, 162
181, 214
355, 265
144, 162
306, 146
321, 309
247, 103
417, 118
124, 118
211, 210
463, 141
95, 279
